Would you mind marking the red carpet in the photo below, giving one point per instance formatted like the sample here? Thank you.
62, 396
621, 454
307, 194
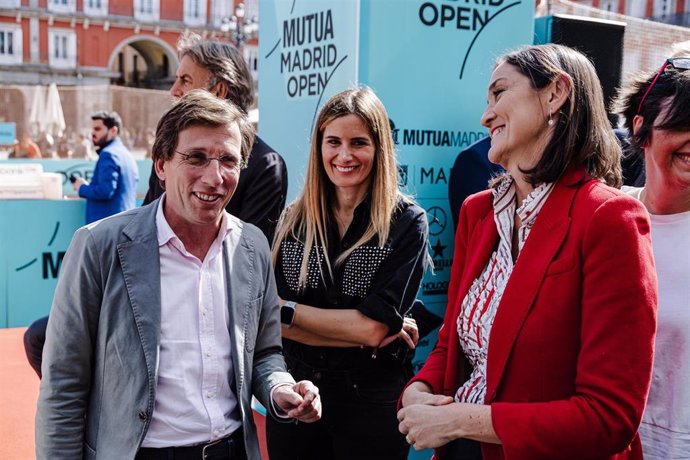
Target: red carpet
18, 393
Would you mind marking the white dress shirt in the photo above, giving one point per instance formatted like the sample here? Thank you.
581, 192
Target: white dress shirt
194, 401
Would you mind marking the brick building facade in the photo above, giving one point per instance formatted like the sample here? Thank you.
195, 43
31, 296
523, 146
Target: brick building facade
103, 54
87, 42
647, 41
668, 11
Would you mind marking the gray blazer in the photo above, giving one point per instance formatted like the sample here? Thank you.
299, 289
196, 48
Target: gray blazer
100, 360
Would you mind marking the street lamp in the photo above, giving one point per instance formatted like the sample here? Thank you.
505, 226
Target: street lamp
240, 28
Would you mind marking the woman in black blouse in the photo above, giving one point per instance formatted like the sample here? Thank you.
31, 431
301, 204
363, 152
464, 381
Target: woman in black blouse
345, 303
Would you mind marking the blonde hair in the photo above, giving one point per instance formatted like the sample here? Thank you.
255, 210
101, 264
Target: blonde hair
306, 218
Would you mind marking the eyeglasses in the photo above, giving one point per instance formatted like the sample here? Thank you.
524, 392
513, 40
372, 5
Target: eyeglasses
199, 159
677, 63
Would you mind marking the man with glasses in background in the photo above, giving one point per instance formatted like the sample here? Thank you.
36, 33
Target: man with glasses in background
219, 68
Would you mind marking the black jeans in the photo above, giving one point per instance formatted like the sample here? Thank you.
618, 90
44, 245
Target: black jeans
359, 418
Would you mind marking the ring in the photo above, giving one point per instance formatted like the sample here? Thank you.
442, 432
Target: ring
409, 441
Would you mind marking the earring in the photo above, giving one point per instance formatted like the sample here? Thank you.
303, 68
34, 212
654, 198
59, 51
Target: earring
550, 122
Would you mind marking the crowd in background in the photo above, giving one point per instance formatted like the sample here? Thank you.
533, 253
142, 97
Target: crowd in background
76, 145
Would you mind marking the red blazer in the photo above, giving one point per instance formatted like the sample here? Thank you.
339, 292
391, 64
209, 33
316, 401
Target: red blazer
570, 351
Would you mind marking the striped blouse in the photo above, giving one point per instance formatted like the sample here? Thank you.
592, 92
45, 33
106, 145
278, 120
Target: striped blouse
481, 302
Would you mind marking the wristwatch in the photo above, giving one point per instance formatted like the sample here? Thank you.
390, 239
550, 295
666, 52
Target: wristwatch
287, 313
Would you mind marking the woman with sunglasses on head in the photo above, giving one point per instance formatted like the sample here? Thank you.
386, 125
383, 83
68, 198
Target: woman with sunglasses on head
349, 255
656, 110
546, 347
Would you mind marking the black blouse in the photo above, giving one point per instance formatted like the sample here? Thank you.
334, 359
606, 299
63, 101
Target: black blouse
380, 282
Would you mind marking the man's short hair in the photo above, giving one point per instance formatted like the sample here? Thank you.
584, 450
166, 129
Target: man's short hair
225, 64
200, 108
109, 119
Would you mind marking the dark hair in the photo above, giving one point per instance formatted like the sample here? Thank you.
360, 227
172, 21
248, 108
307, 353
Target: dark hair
199, 108
671, 90
109, 119
583, 135
226, 65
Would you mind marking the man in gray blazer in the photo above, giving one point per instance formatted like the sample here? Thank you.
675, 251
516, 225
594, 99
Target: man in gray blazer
165, 318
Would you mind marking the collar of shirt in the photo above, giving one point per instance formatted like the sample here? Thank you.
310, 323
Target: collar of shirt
167, 235
360, 213
533, 203
100, 149
505, 209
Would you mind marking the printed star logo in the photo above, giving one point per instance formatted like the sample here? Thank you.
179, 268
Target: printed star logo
438, 249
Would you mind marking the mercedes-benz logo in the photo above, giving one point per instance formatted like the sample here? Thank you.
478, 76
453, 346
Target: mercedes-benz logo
437, 220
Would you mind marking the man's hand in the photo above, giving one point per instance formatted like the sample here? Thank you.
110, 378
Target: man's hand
78, 183
300, 401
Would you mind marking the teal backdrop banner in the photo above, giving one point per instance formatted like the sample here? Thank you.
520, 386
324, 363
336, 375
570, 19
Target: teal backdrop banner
34, 235
308, 52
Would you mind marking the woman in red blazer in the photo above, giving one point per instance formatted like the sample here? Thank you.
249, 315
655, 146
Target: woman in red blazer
546, 348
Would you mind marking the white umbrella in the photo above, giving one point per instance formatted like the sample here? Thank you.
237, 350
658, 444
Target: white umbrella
38, 110
55, 120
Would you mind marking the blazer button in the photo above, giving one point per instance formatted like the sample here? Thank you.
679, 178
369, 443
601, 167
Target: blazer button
143, 416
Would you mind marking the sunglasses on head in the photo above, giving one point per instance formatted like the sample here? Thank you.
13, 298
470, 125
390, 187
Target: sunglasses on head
680, 63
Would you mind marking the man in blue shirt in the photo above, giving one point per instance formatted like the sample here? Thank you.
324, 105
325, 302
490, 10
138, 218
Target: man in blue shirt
114, 184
